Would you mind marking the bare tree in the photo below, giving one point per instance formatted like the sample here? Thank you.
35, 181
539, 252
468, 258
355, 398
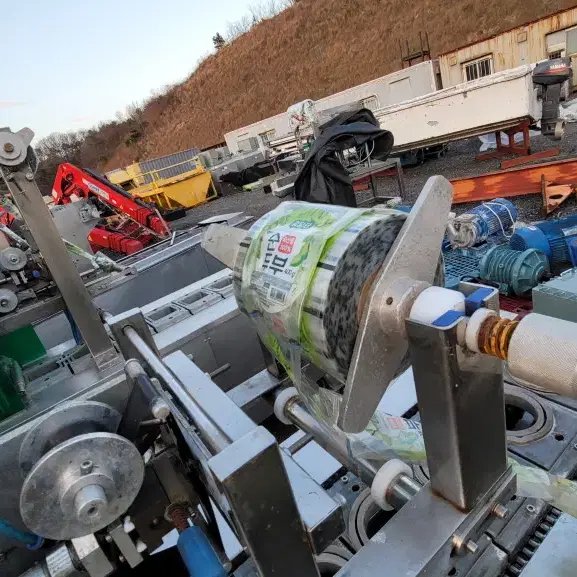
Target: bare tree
257, 13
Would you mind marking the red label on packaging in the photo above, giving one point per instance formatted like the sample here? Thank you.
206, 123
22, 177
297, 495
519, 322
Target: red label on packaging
287, 243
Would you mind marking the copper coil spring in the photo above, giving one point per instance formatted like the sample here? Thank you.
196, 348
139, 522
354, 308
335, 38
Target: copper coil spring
178, 514
495, 335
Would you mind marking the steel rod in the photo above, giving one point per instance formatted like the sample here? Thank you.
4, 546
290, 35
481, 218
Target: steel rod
336, 443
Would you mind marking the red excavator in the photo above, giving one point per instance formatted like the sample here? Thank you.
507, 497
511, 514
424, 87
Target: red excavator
127, 224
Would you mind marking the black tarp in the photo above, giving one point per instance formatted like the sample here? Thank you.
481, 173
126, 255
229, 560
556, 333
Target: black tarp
323, 178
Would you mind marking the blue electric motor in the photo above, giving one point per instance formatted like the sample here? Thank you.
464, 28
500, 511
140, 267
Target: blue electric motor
493, 217
550, 237
489, 220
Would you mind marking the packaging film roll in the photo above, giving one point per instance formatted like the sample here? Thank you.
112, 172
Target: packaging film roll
303, 273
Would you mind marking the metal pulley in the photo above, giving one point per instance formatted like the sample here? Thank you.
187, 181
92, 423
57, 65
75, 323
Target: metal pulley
8, 301
79, 475
14, 146
12, 259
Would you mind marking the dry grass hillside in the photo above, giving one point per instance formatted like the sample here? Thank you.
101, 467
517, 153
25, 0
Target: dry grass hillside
314, 48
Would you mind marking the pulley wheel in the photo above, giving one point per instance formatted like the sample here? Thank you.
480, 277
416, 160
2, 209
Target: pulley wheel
81, 486
12, 259
8, 300
64, 423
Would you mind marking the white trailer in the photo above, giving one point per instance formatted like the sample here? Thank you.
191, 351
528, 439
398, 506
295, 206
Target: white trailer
491, 103
417, 80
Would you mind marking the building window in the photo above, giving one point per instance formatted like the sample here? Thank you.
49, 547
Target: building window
478, 68
556, 54
369, 102
267, 136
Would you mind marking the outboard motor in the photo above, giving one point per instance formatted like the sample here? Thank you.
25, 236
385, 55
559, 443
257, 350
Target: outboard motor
550, 76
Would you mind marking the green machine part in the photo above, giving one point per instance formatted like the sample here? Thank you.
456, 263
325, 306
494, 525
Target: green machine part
17, 349
12, 386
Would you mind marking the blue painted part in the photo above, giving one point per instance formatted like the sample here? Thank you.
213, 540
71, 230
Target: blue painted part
403, 208
447, 319
550, 236
38, 544
475, 300
530, 237
198, 554
30, 539
493, 217
36, 273
572, 246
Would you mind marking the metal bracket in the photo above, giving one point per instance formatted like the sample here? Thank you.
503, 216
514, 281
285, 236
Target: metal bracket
135, 319
381, 342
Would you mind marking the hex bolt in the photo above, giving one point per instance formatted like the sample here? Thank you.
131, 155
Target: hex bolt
500, 511
530, 509
29, 176
86, 467
8, 147
13, 258
472, 547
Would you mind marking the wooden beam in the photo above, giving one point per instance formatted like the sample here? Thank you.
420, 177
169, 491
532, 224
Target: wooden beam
514, 182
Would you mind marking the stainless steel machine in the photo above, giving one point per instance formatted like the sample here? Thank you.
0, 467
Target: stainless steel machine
171, 421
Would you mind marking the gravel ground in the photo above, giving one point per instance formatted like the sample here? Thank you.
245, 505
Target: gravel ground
458, 163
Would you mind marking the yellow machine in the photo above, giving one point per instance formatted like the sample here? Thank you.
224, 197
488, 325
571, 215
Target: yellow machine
180, 185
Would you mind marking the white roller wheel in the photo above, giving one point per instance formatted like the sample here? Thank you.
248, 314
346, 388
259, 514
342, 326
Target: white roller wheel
384, 478
434, 302
281, 402
473, 327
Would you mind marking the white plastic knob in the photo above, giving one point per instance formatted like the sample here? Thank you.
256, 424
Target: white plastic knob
434, 302
385, 476
474, 326
281, 402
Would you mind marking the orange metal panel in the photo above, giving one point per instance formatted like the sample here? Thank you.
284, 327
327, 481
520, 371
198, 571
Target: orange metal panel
515, 182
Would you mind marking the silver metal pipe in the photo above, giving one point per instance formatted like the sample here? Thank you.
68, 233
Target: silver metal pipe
209, 431
336, 442
402, 491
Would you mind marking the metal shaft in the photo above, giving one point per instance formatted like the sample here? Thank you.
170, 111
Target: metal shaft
334, 442
210, 432
402, 491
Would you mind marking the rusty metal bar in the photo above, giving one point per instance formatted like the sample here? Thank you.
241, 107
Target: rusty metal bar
514, 182
530, 158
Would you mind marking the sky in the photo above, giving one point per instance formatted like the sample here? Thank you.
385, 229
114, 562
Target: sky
74, 63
